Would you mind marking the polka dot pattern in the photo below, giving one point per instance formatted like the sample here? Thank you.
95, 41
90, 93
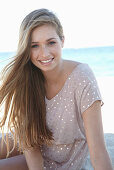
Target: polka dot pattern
63, 116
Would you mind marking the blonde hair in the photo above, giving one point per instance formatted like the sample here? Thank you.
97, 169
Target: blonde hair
23, 90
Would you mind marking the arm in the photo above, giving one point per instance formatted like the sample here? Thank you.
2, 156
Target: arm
95, 138
14, 160
3, 149
13, 163
34, 159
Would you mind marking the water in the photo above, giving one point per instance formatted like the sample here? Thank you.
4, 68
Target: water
5, 58
100, 59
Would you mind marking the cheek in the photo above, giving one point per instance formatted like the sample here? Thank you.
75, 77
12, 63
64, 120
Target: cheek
57, 50
33, 55
33, 59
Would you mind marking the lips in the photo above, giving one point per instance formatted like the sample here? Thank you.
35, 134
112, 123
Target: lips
46, 61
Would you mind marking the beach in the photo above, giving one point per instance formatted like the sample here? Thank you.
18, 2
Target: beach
101, 60
106, 85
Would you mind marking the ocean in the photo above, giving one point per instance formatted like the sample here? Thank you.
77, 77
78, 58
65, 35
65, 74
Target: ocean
100, 59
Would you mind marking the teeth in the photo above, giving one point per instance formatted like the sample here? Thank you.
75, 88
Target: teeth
46, 61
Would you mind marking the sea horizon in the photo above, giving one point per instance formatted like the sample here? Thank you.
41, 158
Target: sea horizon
100, 59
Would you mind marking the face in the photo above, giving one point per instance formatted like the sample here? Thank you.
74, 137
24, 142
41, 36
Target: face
46, 48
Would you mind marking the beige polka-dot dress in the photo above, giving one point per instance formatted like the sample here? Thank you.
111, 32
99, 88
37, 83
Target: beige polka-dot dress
64, 118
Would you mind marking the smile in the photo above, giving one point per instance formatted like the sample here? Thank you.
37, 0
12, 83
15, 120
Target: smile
46, 61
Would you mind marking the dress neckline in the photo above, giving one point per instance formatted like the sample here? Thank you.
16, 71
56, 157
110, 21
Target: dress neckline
68, 78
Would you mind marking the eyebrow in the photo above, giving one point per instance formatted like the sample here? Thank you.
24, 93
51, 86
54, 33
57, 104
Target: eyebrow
46, 40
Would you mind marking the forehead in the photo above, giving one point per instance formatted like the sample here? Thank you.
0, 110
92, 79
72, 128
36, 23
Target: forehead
44, 32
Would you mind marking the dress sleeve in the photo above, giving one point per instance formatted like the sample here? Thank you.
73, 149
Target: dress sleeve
88, 91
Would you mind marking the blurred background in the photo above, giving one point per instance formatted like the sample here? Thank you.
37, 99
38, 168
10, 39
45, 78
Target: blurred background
89, 38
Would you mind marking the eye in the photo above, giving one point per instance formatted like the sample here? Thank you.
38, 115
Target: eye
52, 42
35, 46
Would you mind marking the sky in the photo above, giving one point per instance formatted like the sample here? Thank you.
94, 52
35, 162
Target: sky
86, 23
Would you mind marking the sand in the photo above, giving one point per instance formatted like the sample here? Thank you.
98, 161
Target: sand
106, 85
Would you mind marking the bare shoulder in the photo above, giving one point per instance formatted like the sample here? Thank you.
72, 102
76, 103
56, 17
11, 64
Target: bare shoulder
70, 65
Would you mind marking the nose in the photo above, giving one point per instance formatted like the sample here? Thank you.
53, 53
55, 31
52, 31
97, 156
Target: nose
44, 52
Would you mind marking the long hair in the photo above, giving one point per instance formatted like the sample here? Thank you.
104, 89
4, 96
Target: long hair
23, 92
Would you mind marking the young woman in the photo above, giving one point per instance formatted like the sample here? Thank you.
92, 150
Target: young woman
53, 105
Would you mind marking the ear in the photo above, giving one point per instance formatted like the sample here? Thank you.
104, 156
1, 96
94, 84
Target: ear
62, 41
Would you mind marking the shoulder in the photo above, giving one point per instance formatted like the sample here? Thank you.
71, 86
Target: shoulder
69, 66
78, 68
